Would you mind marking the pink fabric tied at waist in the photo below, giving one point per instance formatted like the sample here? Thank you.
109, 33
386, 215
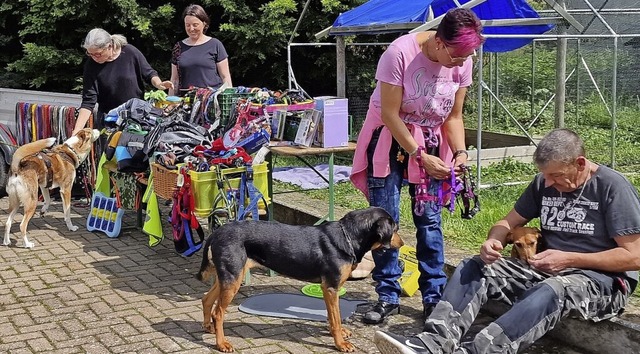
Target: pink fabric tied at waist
381, 155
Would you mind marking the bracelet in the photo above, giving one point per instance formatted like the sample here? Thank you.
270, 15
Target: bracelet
458, 153
415, 151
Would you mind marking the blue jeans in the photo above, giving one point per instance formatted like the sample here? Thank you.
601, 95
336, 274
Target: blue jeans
385, 193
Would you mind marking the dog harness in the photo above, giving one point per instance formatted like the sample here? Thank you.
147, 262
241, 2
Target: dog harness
462, 186
248, 191
422, 195
183, 219
44, 156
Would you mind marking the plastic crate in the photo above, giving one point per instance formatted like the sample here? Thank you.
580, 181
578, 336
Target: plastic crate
205, 188
227, 99
164, 181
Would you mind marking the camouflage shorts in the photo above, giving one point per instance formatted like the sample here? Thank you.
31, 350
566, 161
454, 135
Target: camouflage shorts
538, 301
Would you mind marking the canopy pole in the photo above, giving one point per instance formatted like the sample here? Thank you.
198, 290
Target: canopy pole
295, 30
479, 129
614, 103
289, 67
561, 72
341, 67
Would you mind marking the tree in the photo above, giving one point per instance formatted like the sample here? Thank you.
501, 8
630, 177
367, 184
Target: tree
49, 34
43, 38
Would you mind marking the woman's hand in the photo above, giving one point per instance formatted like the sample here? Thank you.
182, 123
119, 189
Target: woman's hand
460, 160
435, 167
164, 85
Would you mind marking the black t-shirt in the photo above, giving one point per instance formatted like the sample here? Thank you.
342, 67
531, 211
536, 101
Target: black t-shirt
587, 219
114, 83
197, 64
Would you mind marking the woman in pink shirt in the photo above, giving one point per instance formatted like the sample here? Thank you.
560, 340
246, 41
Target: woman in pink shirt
416, 109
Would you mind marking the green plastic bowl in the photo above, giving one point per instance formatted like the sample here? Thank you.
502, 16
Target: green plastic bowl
314, 290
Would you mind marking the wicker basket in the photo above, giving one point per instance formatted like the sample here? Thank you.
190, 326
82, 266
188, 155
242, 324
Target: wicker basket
164, 181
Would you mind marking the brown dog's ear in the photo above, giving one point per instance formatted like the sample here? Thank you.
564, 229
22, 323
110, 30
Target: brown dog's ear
82, 134
538, 232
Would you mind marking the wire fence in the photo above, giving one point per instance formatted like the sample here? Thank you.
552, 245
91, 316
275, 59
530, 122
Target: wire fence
522, 83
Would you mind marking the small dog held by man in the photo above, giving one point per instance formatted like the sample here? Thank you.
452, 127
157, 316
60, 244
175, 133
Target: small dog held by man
41, 165
525, 242
324, 254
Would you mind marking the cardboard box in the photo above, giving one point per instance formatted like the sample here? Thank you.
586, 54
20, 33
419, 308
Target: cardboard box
277, 124
333, 130
308, 128
409, 278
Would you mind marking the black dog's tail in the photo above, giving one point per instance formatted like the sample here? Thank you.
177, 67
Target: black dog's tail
206, 265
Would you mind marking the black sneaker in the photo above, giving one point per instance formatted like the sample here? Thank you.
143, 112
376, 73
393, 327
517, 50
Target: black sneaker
389, 343
380, 311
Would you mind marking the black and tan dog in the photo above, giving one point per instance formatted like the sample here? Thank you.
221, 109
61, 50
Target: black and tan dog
41, 165
324, 254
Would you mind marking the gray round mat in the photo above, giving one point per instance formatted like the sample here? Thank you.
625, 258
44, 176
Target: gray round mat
295, 306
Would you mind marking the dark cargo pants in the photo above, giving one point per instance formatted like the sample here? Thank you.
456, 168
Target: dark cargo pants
538, 301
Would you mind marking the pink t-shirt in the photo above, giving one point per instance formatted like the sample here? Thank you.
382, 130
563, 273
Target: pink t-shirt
429, 88
429, 91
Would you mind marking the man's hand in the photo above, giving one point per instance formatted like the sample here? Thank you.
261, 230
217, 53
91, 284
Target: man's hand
550, 261
490, 251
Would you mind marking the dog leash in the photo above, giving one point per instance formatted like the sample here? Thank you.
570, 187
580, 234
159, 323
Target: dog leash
468, 194
458, 186
422, 195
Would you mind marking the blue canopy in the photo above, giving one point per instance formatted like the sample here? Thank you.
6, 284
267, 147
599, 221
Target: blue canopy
384, 16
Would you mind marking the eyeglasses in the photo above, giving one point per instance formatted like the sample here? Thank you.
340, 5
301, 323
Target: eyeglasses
98, 54
459, 59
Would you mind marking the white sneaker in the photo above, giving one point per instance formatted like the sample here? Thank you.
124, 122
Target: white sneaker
389, 343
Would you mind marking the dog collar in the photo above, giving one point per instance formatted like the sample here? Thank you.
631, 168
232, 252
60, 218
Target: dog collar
77, 159
350, 249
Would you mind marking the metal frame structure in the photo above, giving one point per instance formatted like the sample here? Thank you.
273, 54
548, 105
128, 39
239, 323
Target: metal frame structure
565, 16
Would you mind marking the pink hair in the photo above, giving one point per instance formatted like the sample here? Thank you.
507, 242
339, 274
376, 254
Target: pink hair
461, 30
468, 39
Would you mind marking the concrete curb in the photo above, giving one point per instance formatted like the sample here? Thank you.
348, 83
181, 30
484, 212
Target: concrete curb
614, 336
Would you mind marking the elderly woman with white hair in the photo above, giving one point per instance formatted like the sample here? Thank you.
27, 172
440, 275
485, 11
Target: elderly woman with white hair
114, 73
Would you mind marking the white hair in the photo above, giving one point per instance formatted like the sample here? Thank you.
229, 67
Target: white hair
98, 38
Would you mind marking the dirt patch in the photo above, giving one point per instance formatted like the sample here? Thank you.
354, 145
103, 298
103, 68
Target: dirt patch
632, 311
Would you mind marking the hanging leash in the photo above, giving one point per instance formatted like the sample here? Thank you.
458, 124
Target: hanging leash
422, 195
83, 173
468, 194
461, 186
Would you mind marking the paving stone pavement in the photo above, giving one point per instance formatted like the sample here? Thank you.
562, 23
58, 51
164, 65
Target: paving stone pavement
82, 292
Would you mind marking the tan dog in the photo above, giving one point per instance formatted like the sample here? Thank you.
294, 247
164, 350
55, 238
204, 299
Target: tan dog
40, 164
525, 242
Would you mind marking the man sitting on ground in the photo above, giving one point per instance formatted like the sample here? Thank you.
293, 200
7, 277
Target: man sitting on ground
590, 220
